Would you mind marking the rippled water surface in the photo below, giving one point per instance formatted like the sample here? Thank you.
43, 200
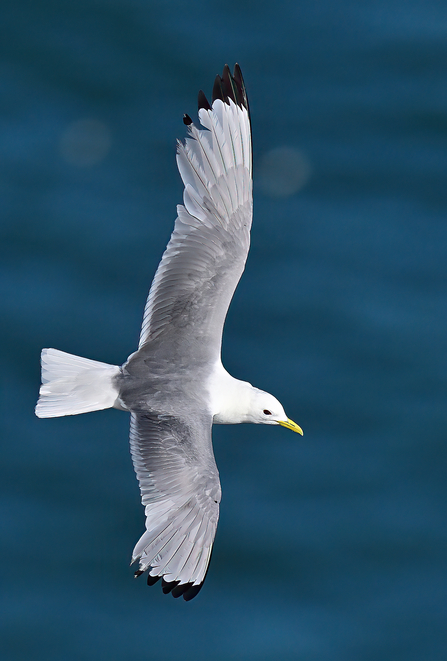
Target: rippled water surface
331, 547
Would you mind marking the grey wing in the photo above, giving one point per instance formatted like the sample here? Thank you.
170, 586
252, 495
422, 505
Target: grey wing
180, 490
206, 254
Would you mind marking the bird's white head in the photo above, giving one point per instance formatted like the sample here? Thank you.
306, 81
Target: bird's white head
234, 401
266, 410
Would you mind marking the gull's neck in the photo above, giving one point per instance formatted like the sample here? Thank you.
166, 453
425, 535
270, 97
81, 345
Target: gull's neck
230, 398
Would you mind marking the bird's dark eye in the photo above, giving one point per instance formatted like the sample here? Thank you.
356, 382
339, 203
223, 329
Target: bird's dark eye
267, 412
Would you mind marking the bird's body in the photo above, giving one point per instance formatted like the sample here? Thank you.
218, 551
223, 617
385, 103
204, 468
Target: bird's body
175, 385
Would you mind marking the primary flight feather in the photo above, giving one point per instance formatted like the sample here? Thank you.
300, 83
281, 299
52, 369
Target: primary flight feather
175, 385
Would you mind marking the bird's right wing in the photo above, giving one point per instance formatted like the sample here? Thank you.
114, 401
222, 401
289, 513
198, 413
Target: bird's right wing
206, 255
180, 489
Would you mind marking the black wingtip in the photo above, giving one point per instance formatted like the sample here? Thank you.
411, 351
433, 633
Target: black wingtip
218, 93
228, 87
187, 120
225, 87
203, 101
180, 589
239, 81
167, 586
192, 592
186, 590
151, 580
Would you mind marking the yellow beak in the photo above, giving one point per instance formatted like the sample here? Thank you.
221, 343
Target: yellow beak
291, 425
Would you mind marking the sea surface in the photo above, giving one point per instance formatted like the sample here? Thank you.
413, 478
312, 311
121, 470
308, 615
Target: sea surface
330, 547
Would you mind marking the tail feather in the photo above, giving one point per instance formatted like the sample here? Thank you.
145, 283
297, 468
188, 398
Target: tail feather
72, 385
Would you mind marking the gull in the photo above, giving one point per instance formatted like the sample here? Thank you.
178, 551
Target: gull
175, 386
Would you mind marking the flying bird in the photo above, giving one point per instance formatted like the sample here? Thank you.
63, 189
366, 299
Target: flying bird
175, 386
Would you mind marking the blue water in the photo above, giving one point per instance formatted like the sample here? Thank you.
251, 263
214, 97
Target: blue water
329, 548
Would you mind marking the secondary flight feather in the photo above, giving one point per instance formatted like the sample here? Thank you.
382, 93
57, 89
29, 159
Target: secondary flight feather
175, 386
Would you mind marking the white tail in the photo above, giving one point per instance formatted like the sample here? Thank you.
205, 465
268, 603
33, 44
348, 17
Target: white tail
71, 385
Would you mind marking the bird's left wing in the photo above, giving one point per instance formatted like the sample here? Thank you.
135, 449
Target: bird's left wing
180, 489
206, 255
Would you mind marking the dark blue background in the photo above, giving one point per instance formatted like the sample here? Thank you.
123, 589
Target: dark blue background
331, 547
